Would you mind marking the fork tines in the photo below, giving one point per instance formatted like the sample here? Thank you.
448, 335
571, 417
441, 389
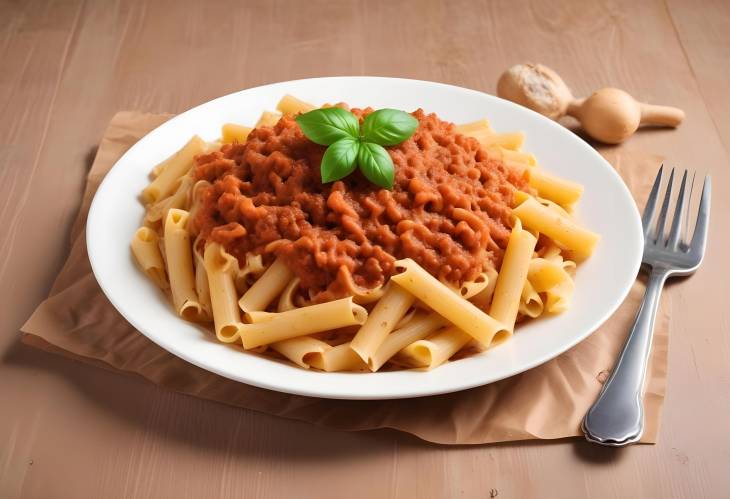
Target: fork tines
654, 233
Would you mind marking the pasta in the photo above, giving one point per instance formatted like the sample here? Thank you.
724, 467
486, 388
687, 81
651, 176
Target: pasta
551, 278
531, 303
230, 133
302, 350
512, 277
180, 266
437, 349
390, 309
226, 317
157, 212
241, 234
303, 321
172, 169
448, 304
556, 189
559, 228
416, 329
291, 105
270, 285
338, 358
147, 253
268, 119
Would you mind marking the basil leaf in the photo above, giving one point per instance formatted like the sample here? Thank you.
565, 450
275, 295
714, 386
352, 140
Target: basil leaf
388, 127
339, 160
376, 164
327, 126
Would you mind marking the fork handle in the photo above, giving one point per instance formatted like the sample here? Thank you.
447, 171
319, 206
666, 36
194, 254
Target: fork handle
617, 417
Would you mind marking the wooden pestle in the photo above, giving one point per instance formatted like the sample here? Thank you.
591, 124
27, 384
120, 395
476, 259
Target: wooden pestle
609, 114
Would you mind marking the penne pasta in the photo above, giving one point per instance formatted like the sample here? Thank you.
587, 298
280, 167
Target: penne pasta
390, 309
268, 119
158, 211
520, 158
511, 141
448, 304
301, 350
253, 268
202, 288
481, 135
560, 229
303, 321
561, 191
172, 169
291, 105
551, 278
488, 138
219, 267
544, 274
270, 285
416, 329
232, 133
512, 276
286, 299
474, 126
530, 302
559, 297
484, 297
470, 289
146, 251
437, 349
338, 358
179, 259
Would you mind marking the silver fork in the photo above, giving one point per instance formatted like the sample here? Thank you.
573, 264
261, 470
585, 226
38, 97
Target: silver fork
617, 417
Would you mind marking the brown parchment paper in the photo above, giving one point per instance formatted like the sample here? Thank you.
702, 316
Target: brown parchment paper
547, 402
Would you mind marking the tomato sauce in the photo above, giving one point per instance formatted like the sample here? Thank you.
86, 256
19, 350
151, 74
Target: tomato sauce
449, 209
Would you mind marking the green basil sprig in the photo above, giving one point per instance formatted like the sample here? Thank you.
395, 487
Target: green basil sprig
350, 147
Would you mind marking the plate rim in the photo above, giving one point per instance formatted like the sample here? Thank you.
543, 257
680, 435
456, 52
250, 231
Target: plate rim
413, 391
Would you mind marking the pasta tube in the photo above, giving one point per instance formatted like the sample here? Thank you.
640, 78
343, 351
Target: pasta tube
172, 169
267, 287
146, 251
560, 229
448, 304
416, 329
291, 105
339, 358
268, 119
230, 133
561, 191
220, 267
303, 321
437, 349
512, 276
385, 315
301, 350
180, 266
530, 302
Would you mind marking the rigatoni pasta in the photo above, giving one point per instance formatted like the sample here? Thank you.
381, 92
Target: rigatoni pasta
242, 234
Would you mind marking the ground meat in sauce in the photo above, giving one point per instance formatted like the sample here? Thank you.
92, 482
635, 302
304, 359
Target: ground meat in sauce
449, 209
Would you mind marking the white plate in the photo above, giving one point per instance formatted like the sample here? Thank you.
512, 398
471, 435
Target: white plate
602, 282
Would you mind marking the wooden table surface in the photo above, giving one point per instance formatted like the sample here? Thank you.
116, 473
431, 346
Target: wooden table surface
66, 66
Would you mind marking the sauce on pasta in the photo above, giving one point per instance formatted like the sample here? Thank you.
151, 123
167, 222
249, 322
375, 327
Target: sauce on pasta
449, 209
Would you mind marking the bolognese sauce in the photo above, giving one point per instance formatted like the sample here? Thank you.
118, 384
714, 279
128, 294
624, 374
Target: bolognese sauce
449, 209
